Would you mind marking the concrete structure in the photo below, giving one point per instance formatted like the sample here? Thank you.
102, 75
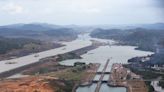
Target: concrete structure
102, 76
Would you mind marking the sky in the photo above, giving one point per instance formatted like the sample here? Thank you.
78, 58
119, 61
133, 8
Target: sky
81, 12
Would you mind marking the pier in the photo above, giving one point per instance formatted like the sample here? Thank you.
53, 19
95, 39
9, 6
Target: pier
100, 81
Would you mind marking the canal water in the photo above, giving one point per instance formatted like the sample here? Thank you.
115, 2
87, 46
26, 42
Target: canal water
116, 54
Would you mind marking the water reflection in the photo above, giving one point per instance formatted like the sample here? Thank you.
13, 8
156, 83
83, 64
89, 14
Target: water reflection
97, 77
106, 77
106, 88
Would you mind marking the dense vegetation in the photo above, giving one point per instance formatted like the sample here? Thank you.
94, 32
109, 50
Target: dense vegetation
29, 37
71, 77
143, 38
38, 31
7, 44
161, 83
146, 73
150, 87
62, 85
50, 64
67, 56
162, 42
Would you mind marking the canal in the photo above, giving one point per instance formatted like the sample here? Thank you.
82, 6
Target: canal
29, 59
116, 54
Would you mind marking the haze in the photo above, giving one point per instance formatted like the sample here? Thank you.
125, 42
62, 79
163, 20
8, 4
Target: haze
81, 12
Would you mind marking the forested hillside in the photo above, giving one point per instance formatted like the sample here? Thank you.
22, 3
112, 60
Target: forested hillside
7, 44
38, 31
145, 39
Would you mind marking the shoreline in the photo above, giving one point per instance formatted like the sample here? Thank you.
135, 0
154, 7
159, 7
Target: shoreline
119, 78
79, 52
87, 82
7, 56
125, 44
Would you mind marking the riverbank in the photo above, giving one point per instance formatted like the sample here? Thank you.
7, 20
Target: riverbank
49, 67
88, 76
98, 55
59, 81
149, 75
28, 49
48, 62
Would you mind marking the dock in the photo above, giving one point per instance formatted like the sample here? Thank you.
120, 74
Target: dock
99, 82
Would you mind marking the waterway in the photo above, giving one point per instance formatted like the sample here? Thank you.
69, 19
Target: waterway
25, 60
116, 54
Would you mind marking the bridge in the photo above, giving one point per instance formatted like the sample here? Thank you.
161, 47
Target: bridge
100, 81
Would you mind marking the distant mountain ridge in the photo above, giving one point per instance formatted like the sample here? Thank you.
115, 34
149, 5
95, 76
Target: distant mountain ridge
158, 26
38, 31
32, 26
145, 39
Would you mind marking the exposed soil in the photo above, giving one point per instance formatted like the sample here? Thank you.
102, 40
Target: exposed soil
60, 81
52, 77
29, 84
